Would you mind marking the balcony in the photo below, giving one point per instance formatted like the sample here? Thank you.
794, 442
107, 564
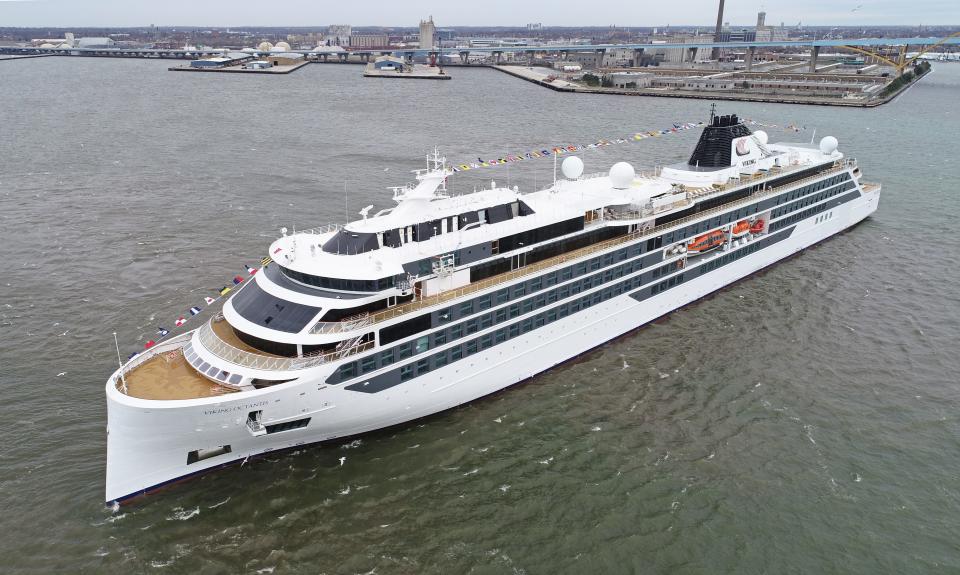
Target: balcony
218, 337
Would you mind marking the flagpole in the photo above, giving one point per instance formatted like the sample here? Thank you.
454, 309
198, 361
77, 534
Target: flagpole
120, 362
554, 168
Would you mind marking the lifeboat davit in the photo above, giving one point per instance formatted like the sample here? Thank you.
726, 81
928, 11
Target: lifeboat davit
705, 243
757, 227
741, 227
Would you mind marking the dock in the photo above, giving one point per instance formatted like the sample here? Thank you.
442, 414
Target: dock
547, 79
414, 72
248, 65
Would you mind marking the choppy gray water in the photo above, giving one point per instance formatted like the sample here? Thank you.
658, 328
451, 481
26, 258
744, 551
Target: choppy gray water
802, 421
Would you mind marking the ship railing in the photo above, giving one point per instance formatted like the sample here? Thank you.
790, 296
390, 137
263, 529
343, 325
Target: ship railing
321, 230
346, 324
172, 344
582, 252
212, 343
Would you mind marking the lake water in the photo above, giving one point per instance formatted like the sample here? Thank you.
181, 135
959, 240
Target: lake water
804, 420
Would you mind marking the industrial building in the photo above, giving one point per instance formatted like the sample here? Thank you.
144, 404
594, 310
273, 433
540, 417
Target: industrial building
215, 62
428, 34
629, 80
387, 63
369, 41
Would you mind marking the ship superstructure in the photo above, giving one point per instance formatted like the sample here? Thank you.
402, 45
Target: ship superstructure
446, 298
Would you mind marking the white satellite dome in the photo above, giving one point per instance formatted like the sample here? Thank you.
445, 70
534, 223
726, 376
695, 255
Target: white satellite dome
621, 175
829, 145
572, 167
281, 47
265, 46
761, 136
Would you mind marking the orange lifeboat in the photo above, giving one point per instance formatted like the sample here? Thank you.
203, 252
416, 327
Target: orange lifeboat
705, 243
741, 227
757, 227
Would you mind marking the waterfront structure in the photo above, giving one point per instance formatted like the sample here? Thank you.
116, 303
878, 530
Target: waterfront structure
388, 63
339, 35
629, 79
93, 42
217, 61
428, 31
369, 41
446, 298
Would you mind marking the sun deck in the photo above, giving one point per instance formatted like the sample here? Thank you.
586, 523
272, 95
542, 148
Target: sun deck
169, 376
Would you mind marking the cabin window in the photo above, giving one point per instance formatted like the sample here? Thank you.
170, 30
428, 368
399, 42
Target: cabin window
368, 364
348, 370
386, 357
423, 366
423, 344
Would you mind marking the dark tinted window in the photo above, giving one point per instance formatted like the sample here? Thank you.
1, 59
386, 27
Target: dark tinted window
339, 283
346, 242
263, 309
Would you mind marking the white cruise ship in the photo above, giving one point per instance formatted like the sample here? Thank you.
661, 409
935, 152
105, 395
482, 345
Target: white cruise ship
445, 298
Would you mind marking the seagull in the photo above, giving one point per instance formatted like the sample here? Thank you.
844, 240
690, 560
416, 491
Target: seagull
62, 373
244, 460
342, 459
859, 6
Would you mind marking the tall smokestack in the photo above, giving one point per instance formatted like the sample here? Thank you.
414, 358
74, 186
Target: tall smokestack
716, 33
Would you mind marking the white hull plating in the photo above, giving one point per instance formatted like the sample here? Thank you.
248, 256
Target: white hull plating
148, 441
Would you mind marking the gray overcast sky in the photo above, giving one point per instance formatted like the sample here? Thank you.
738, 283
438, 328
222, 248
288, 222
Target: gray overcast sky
67, 13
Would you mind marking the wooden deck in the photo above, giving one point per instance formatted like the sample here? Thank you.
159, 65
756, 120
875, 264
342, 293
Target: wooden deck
169, 376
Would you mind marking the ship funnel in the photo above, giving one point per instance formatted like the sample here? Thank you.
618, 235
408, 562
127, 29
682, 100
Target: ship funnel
715, 148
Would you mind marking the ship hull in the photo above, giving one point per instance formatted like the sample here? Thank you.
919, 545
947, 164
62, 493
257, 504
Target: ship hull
149, 443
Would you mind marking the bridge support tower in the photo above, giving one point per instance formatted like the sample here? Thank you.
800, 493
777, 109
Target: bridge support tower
814, 55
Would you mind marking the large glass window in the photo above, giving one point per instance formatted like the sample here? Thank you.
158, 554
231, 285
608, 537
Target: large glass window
263, 309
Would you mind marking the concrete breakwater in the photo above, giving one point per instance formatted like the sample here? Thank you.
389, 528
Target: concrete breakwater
560, 85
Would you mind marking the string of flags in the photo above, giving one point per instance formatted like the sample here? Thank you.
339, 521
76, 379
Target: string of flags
163, 332
573, 148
